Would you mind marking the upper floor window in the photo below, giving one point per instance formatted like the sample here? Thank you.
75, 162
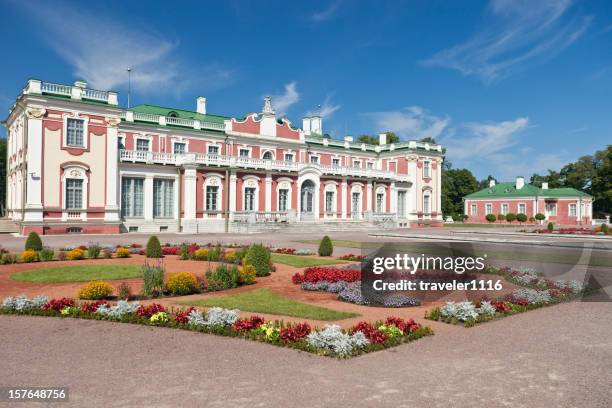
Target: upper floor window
356, 163
74, 132
74, 194
267, 155
314, 159
289, 157
426, 168
142, 145
213, 149
121, 142
336, 162
244, 153
179, 148
370, 165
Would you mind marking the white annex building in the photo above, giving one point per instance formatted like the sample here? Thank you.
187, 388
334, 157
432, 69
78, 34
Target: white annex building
79, 163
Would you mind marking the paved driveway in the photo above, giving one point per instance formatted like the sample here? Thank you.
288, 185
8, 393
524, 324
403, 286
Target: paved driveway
559, 356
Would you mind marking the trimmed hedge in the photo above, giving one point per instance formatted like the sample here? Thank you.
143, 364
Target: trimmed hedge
33, 242
326, 247
154, 248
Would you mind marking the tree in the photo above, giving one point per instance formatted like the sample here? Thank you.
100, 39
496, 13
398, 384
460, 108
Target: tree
428, 139
501, 217
521, 218
490, 217
485, 183
540, 217
325, 247
367, 139
33, 242
392, 138
154, 248
550, 226
456, 184
510, 217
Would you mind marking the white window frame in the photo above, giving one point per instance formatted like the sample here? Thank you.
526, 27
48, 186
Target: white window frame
330, 187
548, 212
518, 208
338, 160
488, 208
241, 148
426, 169
473, 210
148, 138
314, 156
263, 152
144, 193
284, 183
85, 120
569, 210
214, 180
214, 145
427, 196
250, 182
174, 186
75, 172
505, 208
183, 142
356, 163
380, 190
290, 154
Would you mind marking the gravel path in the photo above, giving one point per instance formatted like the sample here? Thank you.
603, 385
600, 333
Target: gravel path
558, 356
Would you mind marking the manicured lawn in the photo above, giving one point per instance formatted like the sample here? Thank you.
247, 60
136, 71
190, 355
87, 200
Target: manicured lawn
303, 261
491, 225
78, 273
266, 301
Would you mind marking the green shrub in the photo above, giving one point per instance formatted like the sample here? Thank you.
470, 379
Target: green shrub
540, 217
153, 279
93, 251
224, 277
550, 226
182, 283
214, 253
491, 217
604, 228
247, 274
8, 259
501, 217
325, 247
33, 242
95, 290
259, 257
521, 217
154, 248
184, 252
46, 254
510, 217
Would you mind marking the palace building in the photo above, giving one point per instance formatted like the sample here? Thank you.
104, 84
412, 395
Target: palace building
79, 163
558, 205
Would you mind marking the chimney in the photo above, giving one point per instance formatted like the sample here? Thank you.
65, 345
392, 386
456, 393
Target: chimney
348, 138
491, 183
520, 182
382, 139
201, 108
545, 185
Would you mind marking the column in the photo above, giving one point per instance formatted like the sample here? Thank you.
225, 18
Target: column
232, 194
393, 198
369, 196
33, 205
413, 195
344, 192
268, 192
148, 197
111, 209
438, 191
190, 193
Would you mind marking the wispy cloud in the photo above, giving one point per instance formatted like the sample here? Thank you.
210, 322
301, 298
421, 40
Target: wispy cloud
326, 110
518, 32
101, 56
413, 122
327, 13
283, 101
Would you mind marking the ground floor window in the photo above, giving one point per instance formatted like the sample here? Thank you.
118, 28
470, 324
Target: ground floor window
572, 210
74, 194
474, 209
283, 195
551, 209
522, 209
401, 204
163, 198
489, 209
426, 204
132, 197
212, 197
329, 202
379, 202
504, 209
249, 199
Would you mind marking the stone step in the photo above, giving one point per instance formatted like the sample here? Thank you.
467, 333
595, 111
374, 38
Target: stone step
7, 226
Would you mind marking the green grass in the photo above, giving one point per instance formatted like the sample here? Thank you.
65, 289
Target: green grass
302, 261
78, 273
488, 225
266, 301
345, 243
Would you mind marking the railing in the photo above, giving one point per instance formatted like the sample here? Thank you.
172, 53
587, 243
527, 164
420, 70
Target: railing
130, 116
249, 163
260, 217
72, 91
95, 95
179, 121
58, 89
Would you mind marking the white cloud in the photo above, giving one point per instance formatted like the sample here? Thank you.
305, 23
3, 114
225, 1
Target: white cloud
519, 31
102, 55
282, 102
413, 122
326, 110
327, 13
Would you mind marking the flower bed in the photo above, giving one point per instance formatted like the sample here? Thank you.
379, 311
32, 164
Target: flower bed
291, 251
351, 257
329, 274
567, 231
536, 292
330, 341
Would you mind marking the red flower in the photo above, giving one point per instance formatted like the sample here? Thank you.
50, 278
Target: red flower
373, 334
91, 307
406, 326
317, 274
248, 324
500, 306
58, 304
170, 250
150, 310
295, 333
182, 316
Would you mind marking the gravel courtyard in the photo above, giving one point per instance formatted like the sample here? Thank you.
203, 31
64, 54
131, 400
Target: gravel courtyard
558, 356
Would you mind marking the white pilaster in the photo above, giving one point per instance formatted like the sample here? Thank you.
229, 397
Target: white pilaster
343, 201
111, 210
393, 198
413, 194
33, 205
190, 193
438, 191
148, 197
268, 192
369, 196
232, 192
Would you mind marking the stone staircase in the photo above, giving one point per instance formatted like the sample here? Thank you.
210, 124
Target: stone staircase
7, 226
307, 227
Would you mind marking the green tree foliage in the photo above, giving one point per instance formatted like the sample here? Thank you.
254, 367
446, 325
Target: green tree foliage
510, 217
154, 248
259, 257
325, 247
550, 226
521, 217
456, 184
491, 217
485, 183
33, 242
392, 138
428, 139
540, 217
367, 139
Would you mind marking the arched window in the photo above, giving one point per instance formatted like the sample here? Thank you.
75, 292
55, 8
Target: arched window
267, 155
173, 114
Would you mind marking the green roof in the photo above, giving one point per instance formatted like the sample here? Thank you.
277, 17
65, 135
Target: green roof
181, 113
509, 190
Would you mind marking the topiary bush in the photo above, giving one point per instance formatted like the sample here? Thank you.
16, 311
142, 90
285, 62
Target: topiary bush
95, 290
521, 218
182, 283
259, 257
540, 217
491, 217
550, 226
326, 247
154, 248
510, 217
604, 228
33, 242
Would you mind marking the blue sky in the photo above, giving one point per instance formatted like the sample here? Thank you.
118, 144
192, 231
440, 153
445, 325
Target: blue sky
510, 87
